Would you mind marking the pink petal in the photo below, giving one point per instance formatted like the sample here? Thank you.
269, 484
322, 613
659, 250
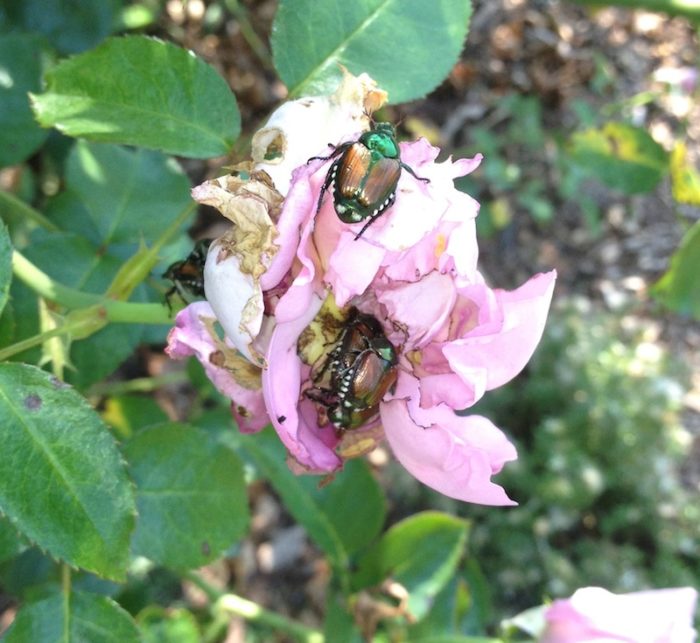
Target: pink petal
507, 332
454, 455
282, 379
422, 307
593, 614
190, 336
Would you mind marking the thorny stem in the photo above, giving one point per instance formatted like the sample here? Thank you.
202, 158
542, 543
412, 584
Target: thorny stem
136, 385
114, 311
237, 606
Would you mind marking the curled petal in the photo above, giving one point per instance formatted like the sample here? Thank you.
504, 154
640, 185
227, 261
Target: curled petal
421, 307
294, 420
595, 615
236, 299
239, 381
452, 454
507, 332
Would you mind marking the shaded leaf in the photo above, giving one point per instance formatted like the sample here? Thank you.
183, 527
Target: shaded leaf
63, 483
354, 504
407, 46
68, 25
421, 553
160, 625
10, 544
5, 265
679, 287
20, 73
81, 617
190, 494
622, 156
129, 195
141, 91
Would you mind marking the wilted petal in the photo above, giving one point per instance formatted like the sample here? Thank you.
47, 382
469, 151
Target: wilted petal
303, 128
237, 380
595, 615
236, 299
454, 455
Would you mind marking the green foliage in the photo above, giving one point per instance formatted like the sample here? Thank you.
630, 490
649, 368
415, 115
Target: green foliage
384, 38
190, 495
20, 61
141, 91
69, 26
74, 500
679, 288
421, 553
78, 617
599, 445
622, 156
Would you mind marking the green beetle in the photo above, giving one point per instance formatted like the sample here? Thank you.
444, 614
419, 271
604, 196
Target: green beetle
365, 176
363, 367
187, 275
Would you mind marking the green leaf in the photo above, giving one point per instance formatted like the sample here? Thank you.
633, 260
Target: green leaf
20, 73
268, 454
63, 485
407, 46
190, 494
685, 179
5, 265
10, 544
91, 270
144, 92
354, 504
421, 553
622, 156
129, 195
160, 625
68, 25
679, 287
78, 617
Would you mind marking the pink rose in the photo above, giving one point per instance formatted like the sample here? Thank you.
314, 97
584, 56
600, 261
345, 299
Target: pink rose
595, 615
414, 270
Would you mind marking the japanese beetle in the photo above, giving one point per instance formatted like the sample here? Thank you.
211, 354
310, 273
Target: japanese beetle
365, 176
188, 275
358, 372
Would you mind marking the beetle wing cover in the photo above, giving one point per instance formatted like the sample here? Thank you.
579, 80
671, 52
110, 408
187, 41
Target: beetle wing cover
352, 170
381, 182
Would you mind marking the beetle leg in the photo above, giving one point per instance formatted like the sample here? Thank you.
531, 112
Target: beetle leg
377, 213
337, 149
412, 173
330, 177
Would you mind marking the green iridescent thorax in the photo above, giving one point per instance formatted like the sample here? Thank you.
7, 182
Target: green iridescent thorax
381, 142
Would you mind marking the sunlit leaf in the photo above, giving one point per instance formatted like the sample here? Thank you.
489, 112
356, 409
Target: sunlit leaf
679, 288
407, 46
685, 179
141, 91
622, 156
63, 485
